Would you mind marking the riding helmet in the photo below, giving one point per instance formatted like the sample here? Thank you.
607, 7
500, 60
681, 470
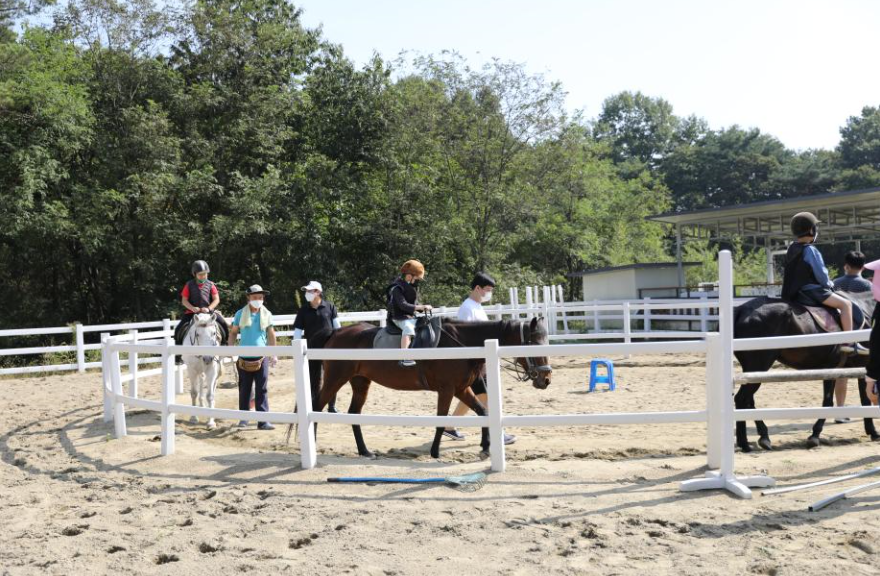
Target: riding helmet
413, 267
804, 224
200, 266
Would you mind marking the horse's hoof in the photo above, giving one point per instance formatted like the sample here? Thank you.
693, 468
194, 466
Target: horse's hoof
813, 442
765, 443
368, 454
875, 437
746, 447
484, 455
193, 420
212, 425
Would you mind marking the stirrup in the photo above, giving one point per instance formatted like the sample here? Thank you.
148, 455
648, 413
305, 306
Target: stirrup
406, 363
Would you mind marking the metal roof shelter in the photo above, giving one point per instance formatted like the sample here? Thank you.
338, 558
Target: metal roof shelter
850, 216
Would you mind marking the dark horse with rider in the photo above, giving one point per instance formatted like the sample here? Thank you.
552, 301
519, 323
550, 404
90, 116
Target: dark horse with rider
807, 296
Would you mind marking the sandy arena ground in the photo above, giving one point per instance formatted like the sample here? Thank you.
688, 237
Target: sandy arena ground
589, 500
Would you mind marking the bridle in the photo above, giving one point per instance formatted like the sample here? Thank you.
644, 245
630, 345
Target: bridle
533, 369
194, 339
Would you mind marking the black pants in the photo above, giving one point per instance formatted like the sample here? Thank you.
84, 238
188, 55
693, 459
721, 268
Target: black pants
316, 368
250, 380
873, 368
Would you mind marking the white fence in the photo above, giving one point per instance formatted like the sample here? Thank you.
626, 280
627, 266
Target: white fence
719, 414
563, 318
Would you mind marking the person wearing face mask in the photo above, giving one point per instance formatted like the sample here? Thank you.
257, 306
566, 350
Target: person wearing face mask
471, 310
403, 303
254, 322
199, 296
316, 320
806, 278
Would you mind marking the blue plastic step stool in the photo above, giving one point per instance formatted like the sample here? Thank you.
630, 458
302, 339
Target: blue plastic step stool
607, 378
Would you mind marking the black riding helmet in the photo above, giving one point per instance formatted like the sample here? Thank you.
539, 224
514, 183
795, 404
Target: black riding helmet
200, 266
804, 224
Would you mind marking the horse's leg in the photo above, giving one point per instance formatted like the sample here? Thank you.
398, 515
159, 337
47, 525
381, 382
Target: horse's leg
744, 398
471, 401
870, 430
827, 400
336, 375
763, 432
444, 400
360, 387
211, 377
192, 375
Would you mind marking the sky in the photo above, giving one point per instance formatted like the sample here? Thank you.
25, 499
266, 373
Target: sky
796, 70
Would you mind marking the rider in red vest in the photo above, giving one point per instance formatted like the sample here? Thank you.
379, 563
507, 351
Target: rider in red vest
199, 295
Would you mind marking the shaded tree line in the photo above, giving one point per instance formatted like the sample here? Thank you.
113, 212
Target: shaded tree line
135, 139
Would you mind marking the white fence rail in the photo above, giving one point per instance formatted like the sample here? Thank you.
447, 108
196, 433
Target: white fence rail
719, 414
567, 321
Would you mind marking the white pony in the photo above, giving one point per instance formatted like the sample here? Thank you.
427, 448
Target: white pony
203, 371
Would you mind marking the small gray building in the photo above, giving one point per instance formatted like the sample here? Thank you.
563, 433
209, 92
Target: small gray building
653, 279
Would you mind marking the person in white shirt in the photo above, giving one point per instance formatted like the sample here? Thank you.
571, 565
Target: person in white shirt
471, 310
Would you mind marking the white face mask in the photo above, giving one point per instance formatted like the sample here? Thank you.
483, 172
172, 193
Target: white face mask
310, 296
486, 297
257, 304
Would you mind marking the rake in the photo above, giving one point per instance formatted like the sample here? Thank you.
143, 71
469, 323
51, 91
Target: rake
467, 483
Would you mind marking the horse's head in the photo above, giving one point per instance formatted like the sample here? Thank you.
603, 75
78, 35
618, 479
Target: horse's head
537, 369
204, 332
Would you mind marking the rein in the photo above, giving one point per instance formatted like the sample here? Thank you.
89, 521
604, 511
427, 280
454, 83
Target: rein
512, 366
194, 341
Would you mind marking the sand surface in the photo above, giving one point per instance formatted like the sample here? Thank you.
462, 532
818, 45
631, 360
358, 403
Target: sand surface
587, 500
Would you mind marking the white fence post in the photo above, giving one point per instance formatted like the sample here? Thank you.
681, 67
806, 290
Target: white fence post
383, 319
714, 402
724, 478
562, 306
704, 313
496, 432
167, 425
80, 350
119, 427
545, 305
133, 366
530, 302
307, 447
627, 327
596, 326
647, 314
106, 382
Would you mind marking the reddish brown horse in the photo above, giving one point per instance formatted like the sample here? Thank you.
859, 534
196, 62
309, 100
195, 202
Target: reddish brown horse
448, 378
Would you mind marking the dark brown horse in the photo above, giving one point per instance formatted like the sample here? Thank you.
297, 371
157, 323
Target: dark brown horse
763, 317
448, 378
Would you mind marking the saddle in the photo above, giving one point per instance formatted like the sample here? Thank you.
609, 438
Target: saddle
828, 319
428, 330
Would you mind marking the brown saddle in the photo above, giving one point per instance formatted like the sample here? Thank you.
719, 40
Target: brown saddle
828, 319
